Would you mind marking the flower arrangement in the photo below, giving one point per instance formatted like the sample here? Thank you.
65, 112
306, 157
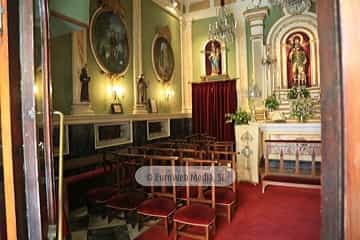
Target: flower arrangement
302, 108
271, 103
296, 92
239, 117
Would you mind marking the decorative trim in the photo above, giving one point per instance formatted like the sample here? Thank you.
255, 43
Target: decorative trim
165, 5
110, 118
165, 129
128, 138
199, 5
283, 27
293, 128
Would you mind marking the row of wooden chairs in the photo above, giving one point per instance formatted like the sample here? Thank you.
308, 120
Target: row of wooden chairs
163, 204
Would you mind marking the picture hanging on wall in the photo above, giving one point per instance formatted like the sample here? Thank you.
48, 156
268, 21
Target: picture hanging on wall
109, 41
163, 56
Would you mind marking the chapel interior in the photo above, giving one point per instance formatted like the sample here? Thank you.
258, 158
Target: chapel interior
136, 88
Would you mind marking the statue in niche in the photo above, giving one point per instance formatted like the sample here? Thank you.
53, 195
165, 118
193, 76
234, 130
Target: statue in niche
84, 79
141, 90
213, 58
298, 61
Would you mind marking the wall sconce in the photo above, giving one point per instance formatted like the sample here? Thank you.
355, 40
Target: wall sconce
35, 90
118, 92
168, 93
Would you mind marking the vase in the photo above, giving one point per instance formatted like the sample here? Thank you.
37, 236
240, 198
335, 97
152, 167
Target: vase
301, 119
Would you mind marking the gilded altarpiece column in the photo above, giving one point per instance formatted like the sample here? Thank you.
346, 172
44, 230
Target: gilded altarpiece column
81, 81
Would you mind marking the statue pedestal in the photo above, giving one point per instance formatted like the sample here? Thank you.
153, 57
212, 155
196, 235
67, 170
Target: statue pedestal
140, 109
81, 108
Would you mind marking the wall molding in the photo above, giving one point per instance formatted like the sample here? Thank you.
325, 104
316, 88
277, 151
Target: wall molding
165, 5
111, 118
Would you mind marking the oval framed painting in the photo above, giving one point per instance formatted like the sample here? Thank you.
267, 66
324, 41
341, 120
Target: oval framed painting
109, 41
163, 58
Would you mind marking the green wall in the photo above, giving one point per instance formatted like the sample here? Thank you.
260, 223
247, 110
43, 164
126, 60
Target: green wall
99, 89
100, 94
154, 17
199, 38
61, 66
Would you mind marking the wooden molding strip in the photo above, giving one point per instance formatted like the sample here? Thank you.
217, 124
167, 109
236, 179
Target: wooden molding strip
68, 19
8, 168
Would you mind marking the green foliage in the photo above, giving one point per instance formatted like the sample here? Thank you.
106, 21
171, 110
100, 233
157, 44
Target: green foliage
272, 103
239, 117
302, 108
295, 92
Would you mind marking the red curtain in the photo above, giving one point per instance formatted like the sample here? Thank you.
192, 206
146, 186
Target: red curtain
210, 102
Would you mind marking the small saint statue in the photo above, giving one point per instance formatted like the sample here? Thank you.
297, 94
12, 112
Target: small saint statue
141, 90
214, 60
298, 59
84, 79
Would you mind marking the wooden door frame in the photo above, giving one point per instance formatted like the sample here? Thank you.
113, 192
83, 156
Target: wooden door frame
350, 59
13, 159
334, 121
7, 143
331, 121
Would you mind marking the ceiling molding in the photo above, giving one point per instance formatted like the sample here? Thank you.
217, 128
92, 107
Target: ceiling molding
196, 6
165, 4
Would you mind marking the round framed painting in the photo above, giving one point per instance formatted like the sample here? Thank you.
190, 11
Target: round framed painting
109, 41
163, 58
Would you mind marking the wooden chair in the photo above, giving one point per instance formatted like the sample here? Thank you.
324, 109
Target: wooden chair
199, 214
200, 136
226, 196
97, 197
188, 146
162, 145
130, 197
161, 151
163, 203
187, 153
220, 146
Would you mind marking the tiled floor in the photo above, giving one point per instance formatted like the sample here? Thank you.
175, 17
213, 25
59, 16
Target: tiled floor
96, 223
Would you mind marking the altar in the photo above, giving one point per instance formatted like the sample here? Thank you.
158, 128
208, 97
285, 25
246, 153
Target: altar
250, 143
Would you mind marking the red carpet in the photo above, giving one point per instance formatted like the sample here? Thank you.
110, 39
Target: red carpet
279, 214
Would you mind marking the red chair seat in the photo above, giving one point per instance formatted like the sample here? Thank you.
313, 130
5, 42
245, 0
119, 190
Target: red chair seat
222, 196
293, 179
126, 201
101, 194
195, 214
158, 207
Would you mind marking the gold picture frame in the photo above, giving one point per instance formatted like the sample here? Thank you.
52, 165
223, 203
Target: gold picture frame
110, 41
163, 58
